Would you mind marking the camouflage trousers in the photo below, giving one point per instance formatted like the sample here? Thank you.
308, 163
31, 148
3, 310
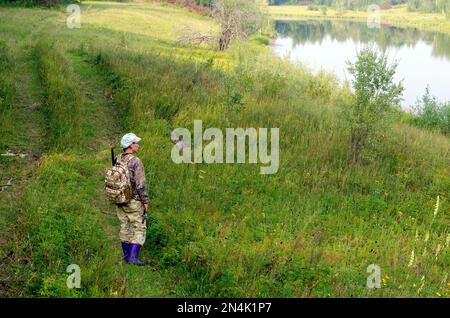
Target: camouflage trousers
133, 225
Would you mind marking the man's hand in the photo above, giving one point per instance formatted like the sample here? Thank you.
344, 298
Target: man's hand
145, 207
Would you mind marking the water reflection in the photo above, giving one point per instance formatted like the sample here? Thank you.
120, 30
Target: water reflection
424, 57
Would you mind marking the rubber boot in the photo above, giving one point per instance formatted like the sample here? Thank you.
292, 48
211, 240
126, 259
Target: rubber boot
134, 254
126, 250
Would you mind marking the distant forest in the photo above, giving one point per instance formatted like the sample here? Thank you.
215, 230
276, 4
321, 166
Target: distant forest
426, 6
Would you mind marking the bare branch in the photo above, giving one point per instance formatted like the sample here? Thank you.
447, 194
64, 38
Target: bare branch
193, 37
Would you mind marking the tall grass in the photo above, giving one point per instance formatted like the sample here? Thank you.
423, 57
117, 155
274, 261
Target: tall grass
58, 222
310, 230
7, 91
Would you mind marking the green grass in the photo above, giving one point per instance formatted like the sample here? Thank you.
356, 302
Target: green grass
7, 91
310, 230
64, 225
64, 99
233, 232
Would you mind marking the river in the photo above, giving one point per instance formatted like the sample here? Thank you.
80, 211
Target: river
423, 57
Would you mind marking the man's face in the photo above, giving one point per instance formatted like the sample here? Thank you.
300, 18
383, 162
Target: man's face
134, 147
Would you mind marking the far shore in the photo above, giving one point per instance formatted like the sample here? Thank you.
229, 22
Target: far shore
396, 16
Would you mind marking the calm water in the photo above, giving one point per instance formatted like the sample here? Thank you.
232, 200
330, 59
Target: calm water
423, 57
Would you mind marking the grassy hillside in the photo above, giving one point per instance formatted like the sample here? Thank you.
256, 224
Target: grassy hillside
311, 230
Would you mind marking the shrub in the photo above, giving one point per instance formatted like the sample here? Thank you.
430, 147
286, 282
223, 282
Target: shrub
432, 114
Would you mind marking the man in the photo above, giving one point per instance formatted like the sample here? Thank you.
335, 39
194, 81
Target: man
132, 215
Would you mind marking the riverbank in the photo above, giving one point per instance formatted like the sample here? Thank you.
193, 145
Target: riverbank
396, 16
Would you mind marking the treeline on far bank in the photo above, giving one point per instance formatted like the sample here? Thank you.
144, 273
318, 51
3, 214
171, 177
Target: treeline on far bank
29, 3
190, 3
426, 6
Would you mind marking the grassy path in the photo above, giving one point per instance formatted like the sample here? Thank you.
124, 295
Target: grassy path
24, 137
103, 124
27, 123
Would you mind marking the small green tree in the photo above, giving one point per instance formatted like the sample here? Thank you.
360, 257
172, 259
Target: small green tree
431, 113
374, 94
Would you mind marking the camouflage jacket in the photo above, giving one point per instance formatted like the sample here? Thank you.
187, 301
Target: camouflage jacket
137, 178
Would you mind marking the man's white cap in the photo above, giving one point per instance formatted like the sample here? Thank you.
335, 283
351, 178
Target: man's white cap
128, 140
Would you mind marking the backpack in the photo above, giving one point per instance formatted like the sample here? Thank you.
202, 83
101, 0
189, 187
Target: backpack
117, 182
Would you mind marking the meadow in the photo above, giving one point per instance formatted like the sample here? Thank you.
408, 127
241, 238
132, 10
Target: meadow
215, 230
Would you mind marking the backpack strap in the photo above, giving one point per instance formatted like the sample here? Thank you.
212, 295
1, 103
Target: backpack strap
125, 162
